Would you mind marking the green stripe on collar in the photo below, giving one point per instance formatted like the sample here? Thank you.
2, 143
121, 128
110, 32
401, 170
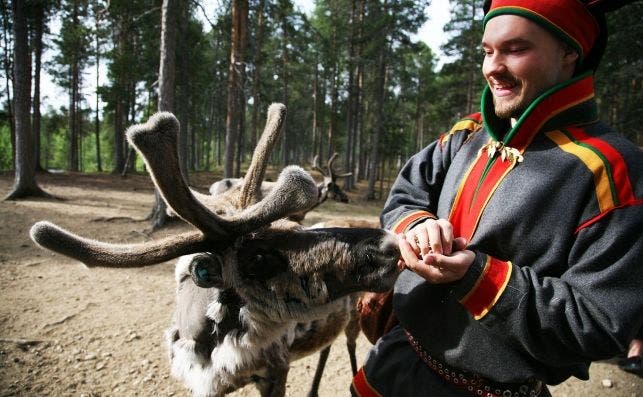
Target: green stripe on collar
569, 101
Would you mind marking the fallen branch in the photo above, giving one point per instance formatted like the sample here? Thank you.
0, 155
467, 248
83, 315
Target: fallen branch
116, 218
22, 343
69, 317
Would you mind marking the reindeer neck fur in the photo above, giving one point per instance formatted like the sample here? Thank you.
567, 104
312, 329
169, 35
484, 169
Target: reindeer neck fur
242, 338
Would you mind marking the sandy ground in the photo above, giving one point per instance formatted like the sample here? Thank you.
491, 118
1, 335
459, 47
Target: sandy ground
66, 330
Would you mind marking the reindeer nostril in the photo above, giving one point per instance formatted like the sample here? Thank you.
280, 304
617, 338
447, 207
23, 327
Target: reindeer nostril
389, 246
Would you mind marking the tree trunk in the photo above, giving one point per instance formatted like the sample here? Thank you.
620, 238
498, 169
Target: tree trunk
8, 72
332, 122
74, 74
73, 132
240, 91
181, 79
315, 128
119, 137
167, 60
99, 165
39, 22
360, 152
239, 19
25, 173
353, 93
471, 63
321, 119
418, 120
241, 128
256, 74
285, 66
378, 131
159, 216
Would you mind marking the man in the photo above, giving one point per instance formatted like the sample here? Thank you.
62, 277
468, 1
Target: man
520, 229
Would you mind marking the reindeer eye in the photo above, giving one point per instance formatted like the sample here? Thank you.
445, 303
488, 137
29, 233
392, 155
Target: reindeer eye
206, 271
202, 273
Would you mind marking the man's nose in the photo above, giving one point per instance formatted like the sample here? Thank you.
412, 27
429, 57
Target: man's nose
493, 64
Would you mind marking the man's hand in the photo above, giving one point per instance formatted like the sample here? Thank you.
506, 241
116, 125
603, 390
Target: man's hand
431, 235
430, 250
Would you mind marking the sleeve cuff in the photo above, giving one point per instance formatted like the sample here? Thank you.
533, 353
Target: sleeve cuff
411, 219
483, 285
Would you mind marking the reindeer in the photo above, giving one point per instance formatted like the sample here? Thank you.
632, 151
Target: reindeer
329, 187
254, 289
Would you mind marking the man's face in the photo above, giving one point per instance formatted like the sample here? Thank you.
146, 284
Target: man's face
522, 60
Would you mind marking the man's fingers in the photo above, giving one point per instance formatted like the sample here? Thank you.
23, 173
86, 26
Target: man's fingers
411, 238
401, 265
406, 250
422, 237
456, 263
446, 232
459, 244
435, 236
436, 268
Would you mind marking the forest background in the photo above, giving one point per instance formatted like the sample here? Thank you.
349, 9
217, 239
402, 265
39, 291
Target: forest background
352, 74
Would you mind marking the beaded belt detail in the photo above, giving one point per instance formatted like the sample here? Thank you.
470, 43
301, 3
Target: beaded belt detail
474, 383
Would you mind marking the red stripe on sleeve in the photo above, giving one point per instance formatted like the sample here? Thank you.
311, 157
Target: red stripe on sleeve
402, 224
361, 387
490, 285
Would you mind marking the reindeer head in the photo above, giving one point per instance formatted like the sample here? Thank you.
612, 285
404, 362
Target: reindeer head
329, 187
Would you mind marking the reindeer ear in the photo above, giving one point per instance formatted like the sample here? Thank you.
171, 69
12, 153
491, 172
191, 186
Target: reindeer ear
294, 191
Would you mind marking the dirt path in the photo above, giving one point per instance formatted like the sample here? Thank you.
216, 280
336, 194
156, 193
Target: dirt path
66, 330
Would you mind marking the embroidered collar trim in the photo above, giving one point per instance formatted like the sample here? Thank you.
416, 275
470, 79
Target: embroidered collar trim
570, 102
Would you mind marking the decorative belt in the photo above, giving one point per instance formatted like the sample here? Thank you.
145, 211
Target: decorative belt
474, 383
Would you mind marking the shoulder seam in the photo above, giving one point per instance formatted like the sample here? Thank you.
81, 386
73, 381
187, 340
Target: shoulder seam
470, 123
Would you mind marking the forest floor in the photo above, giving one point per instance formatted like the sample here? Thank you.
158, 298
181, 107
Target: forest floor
66, 330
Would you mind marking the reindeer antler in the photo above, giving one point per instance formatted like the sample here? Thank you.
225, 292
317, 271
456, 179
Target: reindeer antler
316, 166
95, 253
159, 135
157, 142
251, 189
332, 172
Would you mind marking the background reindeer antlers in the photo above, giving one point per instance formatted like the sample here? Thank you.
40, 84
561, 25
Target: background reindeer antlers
329, 171
329, 187
157, 142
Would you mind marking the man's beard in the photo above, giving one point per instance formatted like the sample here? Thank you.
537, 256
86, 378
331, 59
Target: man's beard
508, 111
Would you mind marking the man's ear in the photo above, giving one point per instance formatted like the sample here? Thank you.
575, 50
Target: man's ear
570, 56
570, 59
